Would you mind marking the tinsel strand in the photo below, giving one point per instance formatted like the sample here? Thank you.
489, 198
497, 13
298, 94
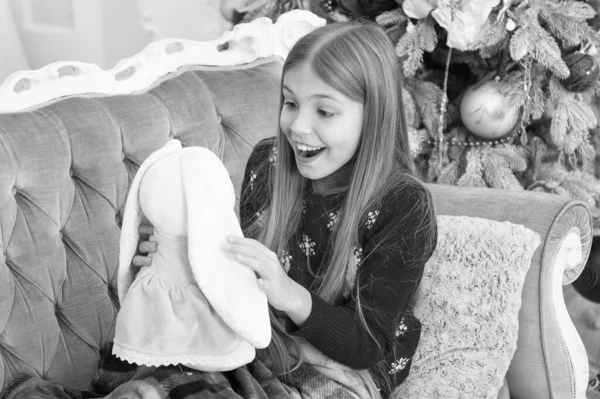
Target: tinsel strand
443, 104
526, 107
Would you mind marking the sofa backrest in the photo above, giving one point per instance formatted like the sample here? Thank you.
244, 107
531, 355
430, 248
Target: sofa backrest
65, 169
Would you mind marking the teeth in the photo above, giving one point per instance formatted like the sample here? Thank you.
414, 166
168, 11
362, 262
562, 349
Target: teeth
303, 147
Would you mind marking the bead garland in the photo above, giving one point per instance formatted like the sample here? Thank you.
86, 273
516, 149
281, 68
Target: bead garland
485, 143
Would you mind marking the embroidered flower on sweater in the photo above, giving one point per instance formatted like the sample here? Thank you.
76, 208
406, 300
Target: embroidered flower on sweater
273, 155
402, 328
285, 259
399, 365
371, 219
252, 179
358, 252
307, 245
333, 217
260, 218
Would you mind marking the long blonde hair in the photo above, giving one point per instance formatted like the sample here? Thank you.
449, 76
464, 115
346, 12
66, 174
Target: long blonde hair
358, 60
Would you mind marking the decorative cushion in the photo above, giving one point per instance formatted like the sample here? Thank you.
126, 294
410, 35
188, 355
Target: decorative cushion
468, 303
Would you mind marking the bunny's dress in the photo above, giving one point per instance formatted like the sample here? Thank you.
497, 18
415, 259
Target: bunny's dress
165, 317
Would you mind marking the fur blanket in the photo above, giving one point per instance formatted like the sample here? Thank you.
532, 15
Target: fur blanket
119, 379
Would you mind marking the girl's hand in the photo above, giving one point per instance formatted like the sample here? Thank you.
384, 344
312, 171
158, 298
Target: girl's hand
146, 247
283, 293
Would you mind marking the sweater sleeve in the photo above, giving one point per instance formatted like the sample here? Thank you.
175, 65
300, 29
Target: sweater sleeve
395, 249
254, 193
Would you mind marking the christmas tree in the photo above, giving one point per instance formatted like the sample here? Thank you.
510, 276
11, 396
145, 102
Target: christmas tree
498, 93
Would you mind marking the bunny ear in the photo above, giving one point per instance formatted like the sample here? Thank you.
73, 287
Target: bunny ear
133, 217
230, 287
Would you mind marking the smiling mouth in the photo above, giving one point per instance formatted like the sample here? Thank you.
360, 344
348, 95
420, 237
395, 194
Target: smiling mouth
306, 151
310, 153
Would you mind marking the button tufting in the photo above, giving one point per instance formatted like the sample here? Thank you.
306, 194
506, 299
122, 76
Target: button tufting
118, 220
122, 155
60, 235
13, 191
71, 172
171, 135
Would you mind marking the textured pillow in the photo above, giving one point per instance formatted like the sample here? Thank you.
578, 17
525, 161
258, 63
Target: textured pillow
468, 303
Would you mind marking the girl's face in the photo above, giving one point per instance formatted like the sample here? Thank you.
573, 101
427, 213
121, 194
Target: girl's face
322, 125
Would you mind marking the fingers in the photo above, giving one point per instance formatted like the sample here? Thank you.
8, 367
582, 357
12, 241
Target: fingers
255, 258
141, 261
239, 243
254, 264
145, 229
148, 247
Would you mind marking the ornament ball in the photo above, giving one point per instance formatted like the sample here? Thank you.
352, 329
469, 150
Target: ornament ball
584, 72
488, 113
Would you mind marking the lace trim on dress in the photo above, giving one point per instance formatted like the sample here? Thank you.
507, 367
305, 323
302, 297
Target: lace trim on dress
243, 355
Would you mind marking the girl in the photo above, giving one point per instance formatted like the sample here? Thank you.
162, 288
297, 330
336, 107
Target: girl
336, 224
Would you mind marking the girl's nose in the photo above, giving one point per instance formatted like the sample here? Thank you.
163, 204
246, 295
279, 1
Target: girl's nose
301, 124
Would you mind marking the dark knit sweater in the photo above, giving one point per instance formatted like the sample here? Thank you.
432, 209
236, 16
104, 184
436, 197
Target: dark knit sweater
391, 255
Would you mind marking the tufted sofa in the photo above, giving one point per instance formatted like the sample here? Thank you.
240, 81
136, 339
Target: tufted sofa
72, 136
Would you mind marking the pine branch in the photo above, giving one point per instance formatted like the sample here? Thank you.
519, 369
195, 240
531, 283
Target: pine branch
574, 10
571, 121
581, 187
536, 92
473, 176
492, 34
586, 150
512, 156
567, 20
519, 44
592, 36
449, 174
411, 46
435, 164
391, 18
512, 87
410, 109
497, 175
559, 125
530, 38
554, 178
494, 49
427, 96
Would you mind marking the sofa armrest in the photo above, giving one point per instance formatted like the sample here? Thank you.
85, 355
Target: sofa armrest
550, 361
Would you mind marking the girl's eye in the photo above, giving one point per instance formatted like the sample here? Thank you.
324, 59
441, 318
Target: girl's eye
289, 104
325, 114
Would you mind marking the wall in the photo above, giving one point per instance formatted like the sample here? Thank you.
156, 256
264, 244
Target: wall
38, 32
190, 19
11, 50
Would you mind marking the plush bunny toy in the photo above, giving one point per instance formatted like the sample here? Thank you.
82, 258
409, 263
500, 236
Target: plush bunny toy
195, 305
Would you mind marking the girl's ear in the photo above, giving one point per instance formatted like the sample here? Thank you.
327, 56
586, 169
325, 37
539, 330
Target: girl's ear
132, 218
230, 287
